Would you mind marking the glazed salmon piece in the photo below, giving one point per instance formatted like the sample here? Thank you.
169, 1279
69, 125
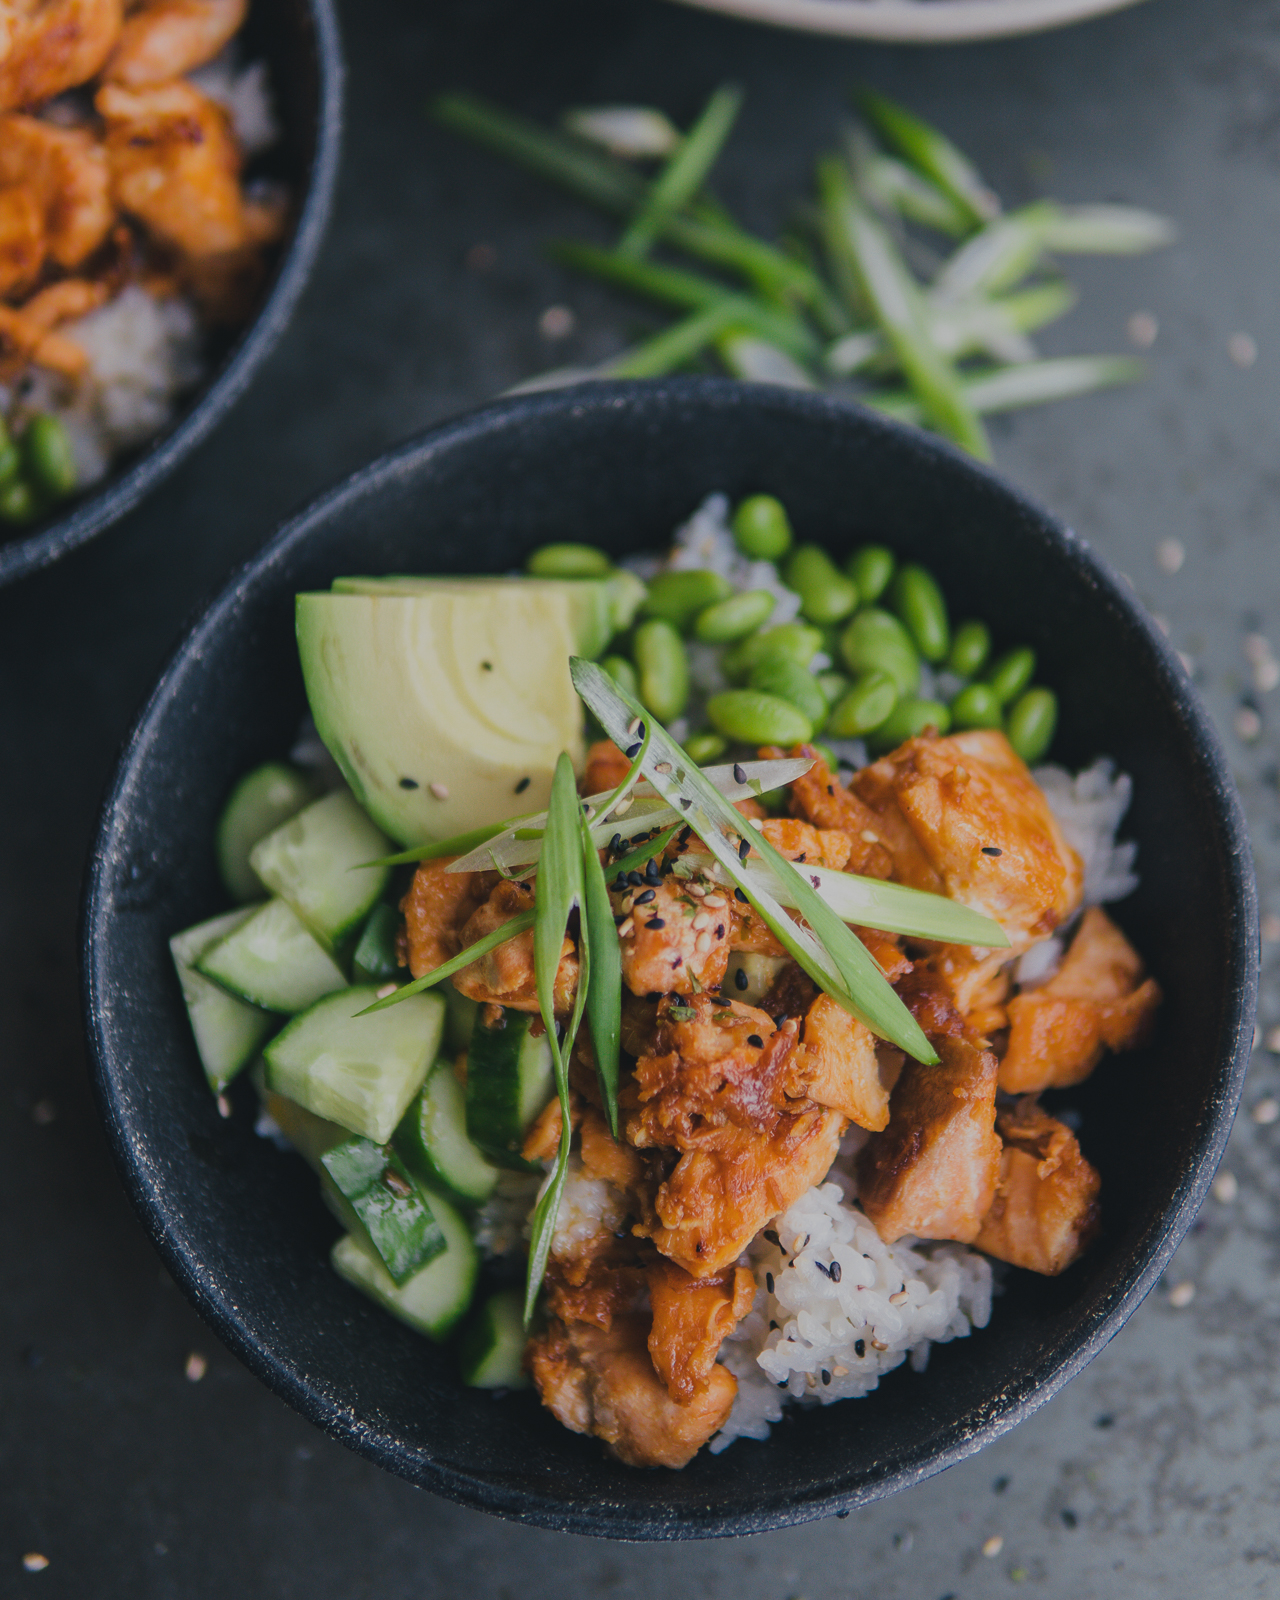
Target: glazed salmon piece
54, 45
1045, 1210
506, 975
437, 905
66, 172
164, 39
835, 1065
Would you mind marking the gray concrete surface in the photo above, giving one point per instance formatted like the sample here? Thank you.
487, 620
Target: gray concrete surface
1157, 1473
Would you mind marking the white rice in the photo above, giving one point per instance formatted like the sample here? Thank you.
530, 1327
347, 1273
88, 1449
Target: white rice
245, 95
501, 1226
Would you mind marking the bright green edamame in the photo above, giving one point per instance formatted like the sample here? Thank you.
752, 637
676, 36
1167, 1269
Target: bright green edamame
678, 597
662, 669
826, 595
907, 720
18, 501
622, 673
918, 601
750, 716
876, 641
761, 528
705, 747
868, 703
46, 451
976, 707
970, 647
871, 568
827, 754
791, 640
1030, 724
568, 561
790, 681
734, 618
10, 457
833, 685
1011, 674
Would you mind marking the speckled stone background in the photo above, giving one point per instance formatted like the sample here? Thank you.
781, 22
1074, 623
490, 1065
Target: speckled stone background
1157, 1473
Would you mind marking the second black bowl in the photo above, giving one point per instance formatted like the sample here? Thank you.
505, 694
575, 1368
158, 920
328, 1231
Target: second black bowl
239, 1223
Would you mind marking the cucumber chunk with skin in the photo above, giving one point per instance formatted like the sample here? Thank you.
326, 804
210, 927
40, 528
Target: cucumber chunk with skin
432, 1140
460, 1013
491, 1349
259, 803
309, 1134
228, 1031
509, 1081
392, 1209
315, 861
273, 961
436, 1297
360, 1072
376, 958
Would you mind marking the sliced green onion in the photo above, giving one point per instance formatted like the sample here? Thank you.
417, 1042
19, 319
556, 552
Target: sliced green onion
894, 188
1001, 255
831, 954
933, 153
604, 989
628, 131
1107, 231
758, 361
1032, 384
686, 171
512, 929
458, 845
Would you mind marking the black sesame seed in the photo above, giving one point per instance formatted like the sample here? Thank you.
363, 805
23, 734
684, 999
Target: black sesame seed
634, 879
823, 1268
1069, 1518
1106, 1420
615, 844
685, 804
1000, 1485
652, 870
768, 1281
744, 849
801, 856
783, 1384
756, 1040
523, 785
739, 776
408, 783
834, 1272
719, 930
644, 899
859, 1348
678, 962
771, 1235
655, 922
633, 750
773, 1327
740, 979
738, 895
992, 850
831, 788
826, 1377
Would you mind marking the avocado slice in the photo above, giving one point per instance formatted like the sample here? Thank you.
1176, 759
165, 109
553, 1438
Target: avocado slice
446, 708
599, 607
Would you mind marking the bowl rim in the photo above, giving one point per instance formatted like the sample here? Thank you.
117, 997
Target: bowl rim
913, 22
784, 1509
83, 522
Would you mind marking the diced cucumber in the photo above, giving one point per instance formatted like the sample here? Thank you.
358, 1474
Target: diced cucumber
316, 863
377, 960
433, 1141
436, 1297
227, 1030
309, 1134
491, 1349
259, 803
273, 960
359, 1071
460, 1012
391, 1208
509, 1081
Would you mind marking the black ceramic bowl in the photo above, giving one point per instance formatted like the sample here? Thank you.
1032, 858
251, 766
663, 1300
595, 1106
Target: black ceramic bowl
239, 1224
299, 41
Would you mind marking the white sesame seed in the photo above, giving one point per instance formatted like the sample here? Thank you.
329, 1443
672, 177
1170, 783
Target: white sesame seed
386, 989
1142, 329
897, 1299
439, 790
224, 1106
1271, 928
868, 837
1266, 675
33, 1561
702, 944
697, 890
1182, 1294
879, 1344
701, 921
1225, 1188
622, 807
757, 822
1170, 554
626, 929
1266, 1112
993, 1546
1248, 724
715, 900
663, 766
1271, 1041
556, 322
1243, 350
196, 1367
839, 1372
633, 727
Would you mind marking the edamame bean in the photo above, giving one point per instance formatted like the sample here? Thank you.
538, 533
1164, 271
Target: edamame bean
678, 597
1030, 724
622, 673
752, 717
907, 720
18, 501
833, 685
826, 595
734, 618
876, 641
1011, 674
790, 640
976, 707
10, 457
46, 451
970, 646
761, 528
568, 561
918, 601
826, 752
871, 568
705, 747
866, 706
662, 669
790, 681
